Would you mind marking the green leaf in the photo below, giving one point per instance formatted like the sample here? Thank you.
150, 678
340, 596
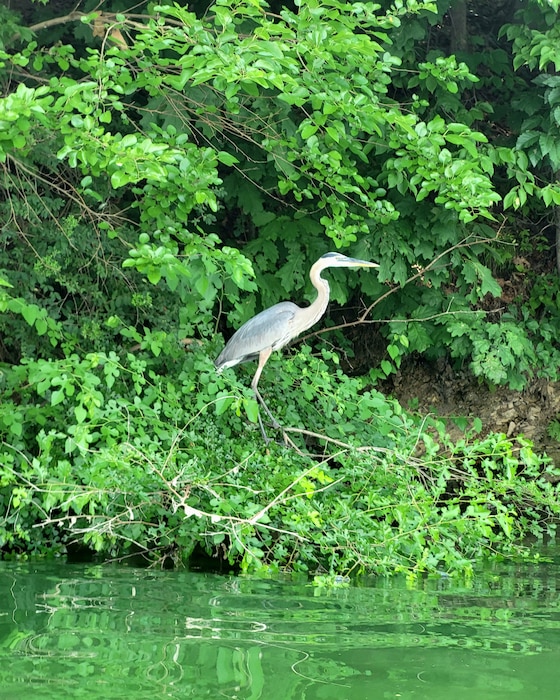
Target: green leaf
251, 407
308, 130
223, 403
154, 275
29, 313
80, 412
41, 326
511, 199
57, 397
119, 178
333, 133
128, 141
488, 284
226, 158
19, 141
546, 194
387, 367
16, 427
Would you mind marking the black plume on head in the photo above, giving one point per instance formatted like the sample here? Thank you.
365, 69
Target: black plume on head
326, 256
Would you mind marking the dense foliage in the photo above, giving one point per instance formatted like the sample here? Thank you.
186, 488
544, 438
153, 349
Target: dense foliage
148, 158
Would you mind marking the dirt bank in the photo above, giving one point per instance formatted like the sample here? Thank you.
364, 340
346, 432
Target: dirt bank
437, 388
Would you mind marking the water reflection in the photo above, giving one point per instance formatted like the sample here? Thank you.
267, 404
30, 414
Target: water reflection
108, 632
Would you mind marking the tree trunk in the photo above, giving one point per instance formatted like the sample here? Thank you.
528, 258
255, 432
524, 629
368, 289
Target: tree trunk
458, 17
557, 224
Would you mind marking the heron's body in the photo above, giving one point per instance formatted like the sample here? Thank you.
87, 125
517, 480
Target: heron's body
256, 335
274, 327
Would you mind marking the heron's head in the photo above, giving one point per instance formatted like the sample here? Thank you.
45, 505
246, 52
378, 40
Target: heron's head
339, 260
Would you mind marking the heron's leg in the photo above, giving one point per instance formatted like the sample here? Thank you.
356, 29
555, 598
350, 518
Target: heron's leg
263, 431
263, 357
275, 423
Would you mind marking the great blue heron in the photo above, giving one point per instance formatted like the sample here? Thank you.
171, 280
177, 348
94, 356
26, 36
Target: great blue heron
273, 328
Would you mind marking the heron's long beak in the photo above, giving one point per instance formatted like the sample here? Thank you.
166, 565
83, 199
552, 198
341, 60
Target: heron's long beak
355, 262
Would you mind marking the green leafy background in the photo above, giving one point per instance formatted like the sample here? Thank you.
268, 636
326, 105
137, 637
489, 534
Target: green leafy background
167, 172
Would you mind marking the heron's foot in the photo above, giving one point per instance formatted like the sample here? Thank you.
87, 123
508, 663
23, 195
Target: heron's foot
263, 431
275, 424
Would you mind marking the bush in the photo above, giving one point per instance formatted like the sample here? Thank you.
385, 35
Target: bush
167, 470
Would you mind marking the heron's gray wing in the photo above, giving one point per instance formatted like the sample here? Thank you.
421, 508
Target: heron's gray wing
270, 328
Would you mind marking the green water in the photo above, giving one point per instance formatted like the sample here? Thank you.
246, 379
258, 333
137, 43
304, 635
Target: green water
107, 632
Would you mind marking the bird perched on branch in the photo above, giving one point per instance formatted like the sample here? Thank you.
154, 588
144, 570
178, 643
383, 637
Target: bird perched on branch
273, 328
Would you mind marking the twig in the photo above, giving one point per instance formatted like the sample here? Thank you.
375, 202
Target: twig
326, 438
465, 243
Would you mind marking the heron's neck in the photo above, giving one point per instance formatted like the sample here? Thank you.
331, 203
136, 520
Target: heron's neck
315, 310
